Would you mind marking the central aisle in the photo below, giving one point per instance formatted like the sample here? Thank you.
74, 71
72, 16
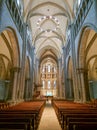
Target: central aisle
49, 119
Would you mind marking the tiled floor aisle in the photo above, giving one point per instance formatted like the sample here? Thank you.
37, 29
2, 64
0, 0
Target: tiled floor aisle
49, 119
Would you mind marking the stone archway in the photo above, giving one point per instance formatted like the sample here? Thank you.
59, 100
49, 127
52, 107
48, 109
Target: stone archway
9, 51
85, 52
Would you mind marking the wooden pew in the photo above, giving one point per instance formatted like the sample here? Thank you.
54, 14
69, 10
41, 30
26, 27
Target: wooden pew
67, 117
82, 124
17, 119
65, 110
75, 113
15, 123
28, 113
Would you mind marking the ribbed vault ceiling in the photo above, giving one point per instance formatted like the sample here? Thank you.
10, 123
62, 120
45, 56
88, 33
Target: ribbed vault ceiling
48, 20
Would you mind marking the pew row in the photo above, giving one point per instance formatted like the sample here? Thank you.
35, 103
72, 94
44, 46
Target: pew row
25, 115
82, 123
66, 110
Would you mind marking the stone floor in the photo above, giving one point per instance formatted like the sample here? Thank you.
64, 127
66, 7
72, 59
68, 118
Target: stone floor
49, 119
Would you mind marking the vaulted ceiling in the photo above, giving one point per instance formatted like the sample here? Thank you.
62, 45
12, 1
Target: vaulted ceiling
48, 20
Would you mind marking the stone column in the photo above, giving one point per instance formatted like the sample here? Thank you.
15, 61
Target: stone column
27, 89
37, 71
83, 80
73, 51
79, 85
60, 85
75, 87
22, 80
65, 73
39, 74
18, 84
15, 72
32, 69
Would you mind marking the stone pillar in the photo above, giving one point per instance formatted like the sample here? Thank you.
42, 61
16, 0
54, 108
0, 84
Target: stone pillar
64, 66
83, 80
18, 84
37, 71
22, 84
59, 76
79, 85
75, 87
15, 72
22, 80
32, 72
73, 51
27, 89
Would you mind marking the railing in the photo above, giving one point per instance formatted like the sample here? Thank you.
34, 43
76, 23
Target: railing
16, 15
81, 15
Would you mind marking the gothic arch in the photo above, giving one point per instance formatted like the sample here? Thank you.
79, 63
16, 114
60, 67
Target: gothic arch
86, 51
5, 69
13, 47
47, 3
9, 51
82, 43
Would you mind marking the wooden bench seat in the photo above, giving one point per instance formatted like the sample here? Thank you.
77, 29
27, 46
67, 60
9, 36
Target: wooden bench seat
28, 113
68, 110
65, 119
27, 119
14, 123
82, 124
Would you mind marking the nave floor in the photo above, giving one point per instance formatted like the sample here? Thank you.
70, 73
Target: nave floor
49, 119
